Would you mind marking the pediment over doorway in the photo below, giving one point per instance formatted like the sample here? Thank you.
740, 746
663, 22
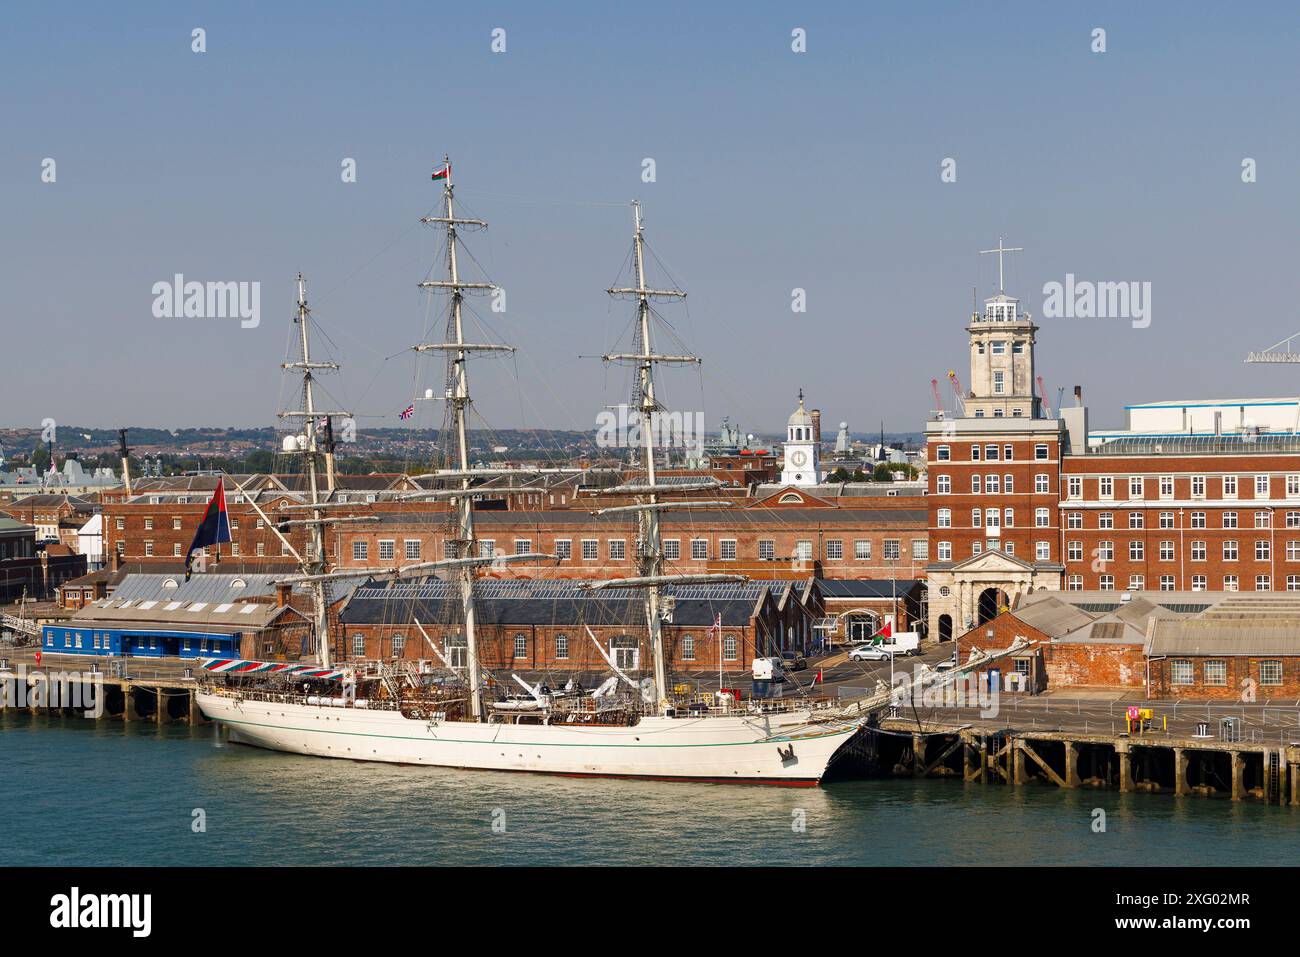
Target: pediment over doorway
994, 562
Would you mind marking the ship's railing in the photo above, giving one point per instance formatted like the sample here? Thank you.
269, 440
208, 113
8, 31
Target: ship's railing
294, 697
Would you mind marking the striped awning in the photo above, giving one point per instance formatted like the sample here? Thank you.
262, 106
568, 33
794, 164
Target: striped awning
244, 666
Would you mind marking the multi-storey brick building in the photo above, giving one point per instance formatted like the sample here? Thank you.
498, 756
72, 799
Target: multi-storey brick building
1161, 513
763, 541
55, 515
1191, 496
785, 533
994, 481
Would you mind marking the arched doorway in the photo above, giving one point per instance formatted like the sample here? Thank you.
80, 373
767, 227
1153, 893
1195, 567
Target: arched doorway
945, 627
993, 601
859, 626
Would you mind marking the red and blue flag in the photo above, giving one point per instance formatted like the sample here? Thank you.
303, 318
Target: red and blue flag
213, 529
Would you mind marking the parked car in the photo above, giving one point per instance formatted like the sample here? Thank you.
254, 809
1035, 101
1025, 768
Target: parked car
869, 653
794, 661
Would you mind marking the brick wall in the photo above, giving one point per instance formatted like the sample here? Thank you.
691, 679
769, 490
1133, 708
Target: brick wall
1079, 665
1240, 675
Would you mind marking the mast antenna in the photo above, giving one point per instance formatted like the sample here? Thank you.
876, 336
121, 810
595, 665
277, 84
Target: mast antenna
1000, 251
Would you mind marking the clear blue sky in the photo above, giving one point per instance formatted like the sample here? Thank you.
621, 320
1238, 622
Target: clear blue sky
775, 170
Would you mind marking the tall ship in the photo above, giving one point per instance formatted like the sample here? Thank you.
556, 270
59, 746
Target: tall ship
457, 714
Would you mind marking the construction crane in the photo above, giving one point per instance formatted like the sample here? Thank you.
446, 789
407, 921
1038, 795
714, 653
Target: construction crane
1272, 353
938, 400
956, 390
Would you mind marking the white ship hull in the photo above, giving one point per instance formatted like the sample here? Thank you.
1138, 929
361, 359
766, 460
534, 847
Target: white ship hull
779, 748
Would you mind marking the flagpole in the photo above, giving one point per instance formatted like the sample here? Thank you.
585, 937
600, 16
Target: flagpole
717, 627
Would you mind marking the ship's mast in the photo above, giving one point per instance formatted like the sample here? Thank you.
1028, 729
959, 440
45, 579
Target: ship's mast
458, 396
305, 442
651, 558
650, 555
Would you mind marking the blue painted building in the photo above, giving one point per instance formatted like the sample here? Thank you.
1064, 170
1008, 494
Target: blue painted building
148, 642
164, 616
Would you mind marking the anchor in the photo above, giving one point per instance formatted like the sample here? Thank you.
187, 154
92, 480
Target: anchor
787, 754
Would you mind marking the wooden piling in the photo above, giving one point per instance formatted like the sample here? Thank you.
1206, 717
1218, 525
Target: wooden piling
1071, 765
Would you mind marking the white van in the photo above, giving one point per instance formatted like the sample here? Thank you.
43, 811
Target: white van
901, 645
768, 669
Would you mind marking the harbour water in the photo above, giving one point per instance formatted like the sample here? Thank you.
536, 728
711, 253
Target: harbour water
81, 792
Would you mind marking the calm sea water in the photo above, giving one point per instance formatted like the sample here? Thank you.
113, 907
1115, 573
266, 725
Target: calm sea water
84, 793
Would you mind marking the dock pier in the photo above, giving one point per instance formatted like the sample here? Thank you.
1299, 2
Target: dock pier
1157, 763
161, 693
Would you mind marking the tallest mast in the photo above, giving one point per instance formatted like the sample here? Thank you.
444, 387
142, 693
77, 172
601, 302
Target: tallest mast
457, 350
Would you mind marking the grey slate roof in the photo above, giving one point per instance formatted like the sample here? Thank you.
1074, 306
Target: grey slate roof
528, 602
864, 587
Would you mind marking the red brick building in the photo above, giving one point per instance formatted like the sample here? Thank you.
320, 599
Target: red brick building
533, 625
790, 533
1228, 519
56, 516
1019, 502
812, 538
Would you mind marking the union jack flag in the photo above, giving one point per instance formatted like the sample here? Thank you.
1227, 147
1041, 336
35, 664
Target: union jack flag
407, 412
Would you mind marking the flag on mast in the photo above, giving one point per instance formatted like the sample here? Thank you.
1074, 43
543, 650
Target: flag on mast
442, 172
407, 412
213, 529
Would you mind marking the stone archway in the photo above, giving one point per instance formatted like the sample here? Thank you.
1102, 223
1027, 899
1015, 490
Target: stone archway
945, 627
992, 602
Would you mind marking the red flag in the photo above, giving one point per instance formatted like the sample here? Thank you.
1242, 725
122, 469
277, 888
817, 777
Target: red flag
886, 632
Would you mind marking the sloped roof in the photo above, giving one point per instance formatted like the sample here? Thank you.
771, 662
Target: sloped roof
517, 602
1051, 616
865, 587
46, 499
233, 616
1219, 638
207, 587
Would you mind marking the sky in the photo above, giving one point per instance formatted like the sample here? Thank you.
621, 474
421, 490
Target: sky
775, 170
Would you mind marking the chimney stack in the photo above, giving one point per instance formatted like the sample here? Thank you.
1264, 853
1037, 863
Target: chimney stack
817, 426
1078, 395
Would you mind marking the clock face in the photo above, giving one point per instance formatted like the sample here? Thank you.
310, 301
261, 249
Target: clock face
798, 457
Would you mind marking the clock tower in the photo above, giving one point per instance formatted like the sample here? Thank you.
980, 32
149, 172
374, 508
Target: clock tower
802, 464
